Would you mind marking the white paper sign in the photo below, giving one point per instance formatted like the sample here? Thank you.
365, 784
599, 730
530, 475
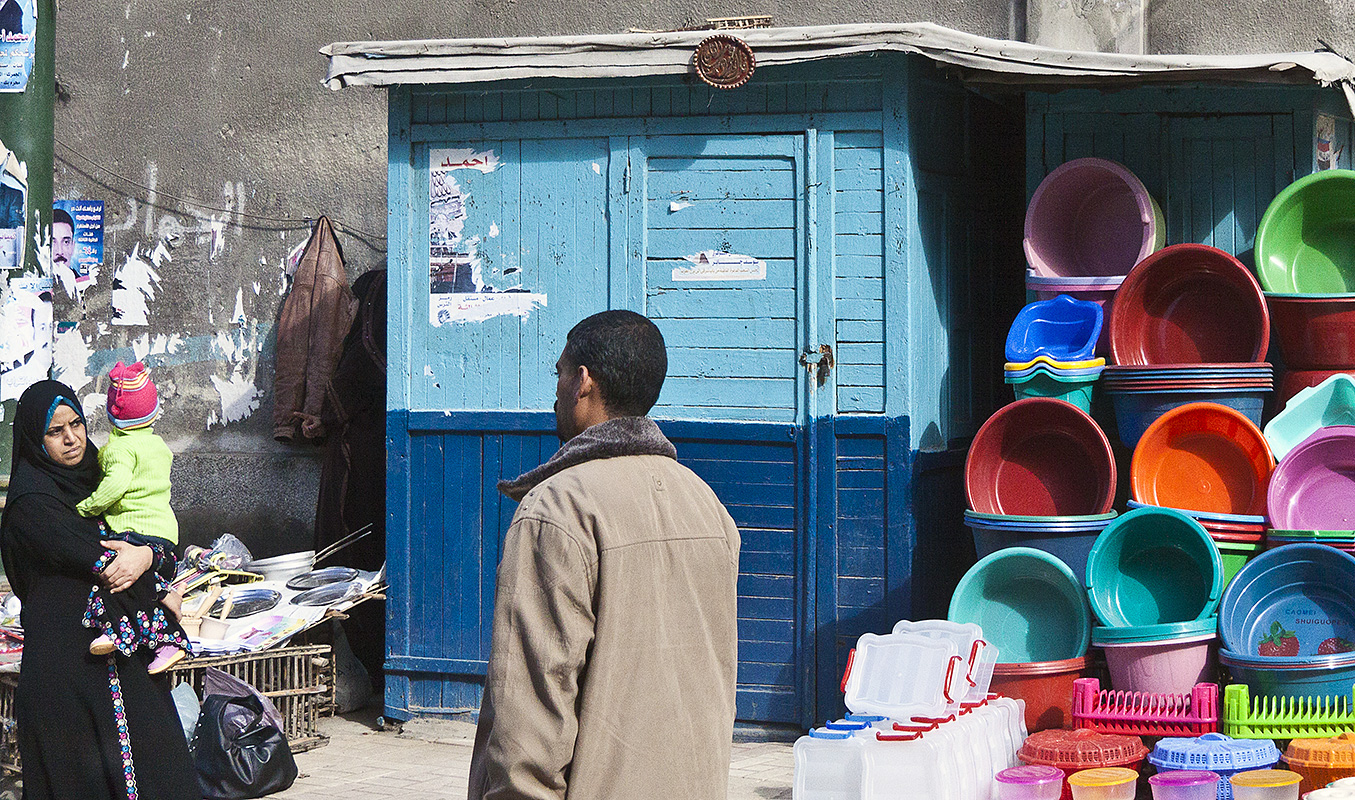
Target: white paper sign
714, 265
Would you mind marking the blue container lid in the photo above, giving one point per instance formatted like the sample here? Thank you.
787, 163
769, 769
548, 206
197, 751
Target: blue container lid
846, 725
1214, 752
1155, 633
820, 733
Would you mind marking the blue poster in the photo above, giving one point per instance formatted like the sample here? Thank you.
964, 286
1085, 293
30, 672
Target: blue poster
18, 21
78, 238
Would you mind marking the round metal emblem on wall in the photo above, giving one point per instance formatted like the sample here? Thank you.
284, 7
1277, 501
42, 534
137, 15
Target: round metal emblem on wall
724, 61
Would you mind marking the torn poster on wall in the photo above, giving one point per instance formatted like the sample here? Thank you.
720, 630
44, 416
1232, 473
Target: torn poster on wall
18, 43
457, 291
25, 334
134, 285
13, 208
715, 265
77, 243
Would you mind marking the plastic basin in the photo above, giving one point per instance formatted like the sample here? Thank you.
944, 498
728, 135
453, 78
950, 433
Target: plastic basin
1289, 602
1090, 217
1331, 402
1136, 410
1162, 666
1062, 328
1234, 556
1046, 688
1103, 296
1029, 604
1075, 391
1153, 565
1202, 456
1189, 303
1314, 332
1306, 239
1313, 487
1040, 456
1071, 545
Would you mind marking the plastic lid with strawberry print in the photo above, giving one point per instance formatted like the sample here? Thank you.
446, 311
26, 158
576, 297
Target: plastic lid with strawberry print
1081, 748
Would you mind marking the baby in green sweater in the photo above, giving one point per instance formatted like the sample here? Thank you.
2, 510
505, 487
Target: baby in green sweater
133, 498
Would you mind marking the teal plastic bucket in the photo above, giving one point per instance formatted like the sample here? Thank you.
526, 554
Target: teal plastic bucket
1029, 604
1152, 566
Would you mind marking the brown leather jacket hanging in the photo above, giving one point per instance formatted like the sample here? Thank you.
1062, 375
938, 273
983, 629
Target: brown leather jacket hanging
315, 318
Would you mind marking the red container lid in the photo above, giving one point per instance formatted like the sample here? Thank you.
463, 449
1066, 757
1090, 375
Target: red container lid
1071, 750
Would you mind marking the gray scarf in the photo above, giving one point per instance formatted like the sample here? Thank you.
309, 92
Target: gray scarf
621, 436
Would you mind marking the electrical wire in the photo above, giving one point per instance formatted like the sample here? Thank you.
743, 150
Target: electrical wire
291, 223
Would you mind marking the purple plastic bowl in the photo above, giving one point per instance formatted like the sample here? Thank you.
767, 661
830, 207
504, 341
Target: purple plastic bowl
1313, 488
1090, 217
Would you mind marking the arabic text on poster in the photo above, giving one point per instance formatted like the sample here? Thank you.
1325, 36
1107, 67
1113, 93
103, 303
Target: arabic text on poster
18, 21
77, 242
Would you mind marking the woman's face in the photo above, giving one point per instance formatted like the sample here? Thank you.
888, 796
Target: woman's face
65, 437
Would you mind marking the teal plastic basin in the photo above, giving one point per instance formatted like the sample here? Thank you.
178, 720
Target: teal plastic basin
1153, 566
1029, 604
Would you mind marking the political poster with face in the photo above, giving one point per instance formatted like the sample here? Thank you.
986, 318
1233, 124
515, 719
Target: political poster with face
77, 241
18, 22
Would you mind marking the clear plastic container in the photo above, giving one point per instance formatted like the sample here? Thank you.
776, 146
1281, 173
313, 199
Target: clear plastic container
1330, 793
1104, 783
903, 675
828, 766
1031, 782
979, 655
1266, 784
1184, 784
902, 766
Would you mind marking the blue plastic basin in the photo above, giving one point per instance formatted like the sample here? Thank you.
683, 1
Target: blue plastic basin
1308, 590
1070, 544
1062, 328
1135, 411
1318, 677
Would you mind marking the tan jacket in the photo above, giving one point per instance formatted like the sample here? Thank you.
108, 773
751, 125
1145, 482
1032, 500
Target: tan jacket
615, 640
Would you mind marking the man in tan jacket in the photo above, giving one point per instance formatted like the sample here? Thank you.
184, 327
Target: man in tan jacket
612, 670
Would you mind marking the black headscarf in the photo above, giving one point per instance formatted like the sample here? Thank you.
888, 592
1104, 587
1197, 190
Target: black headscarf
32, 471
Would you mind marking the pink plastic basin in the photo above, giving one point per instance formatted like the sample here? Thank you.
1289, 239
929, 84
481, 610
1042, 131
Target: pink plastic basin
1165, 667
1090, 217
1313, 488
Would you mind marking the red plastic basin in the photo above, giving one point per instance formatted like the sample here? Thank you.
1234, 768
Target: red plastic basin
1315, 332
1040, 457
1296, 380
1186, 304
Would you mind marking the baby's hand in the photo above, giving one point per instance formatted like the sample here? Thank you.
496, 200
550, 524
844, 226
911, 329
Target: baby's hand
174, 602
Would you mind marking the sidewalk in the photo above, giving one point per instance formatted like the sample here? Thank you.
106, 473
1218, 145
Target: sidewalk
431, 758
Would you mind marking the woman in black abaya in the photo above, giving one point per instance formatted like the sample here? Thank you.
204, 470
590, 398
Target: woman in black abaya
89, 727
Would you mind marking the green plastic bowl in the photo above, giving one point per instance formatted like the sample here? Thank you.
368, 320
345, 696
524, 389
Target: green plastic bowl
1077, 391
1306, 240
1029, 604
1153, 565
1234, 556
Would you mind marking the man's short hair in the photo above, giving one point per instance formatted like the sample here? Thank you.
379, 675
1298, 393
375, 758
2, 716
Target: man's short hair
625, 354
60, 215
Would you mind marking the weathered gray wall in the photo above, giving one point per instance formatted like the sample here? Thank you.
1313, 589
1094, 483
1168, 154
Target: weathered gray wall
204, 128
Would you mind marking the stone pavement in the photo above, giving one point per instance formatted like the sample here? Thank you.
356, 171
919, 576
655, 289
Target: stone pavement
431, 758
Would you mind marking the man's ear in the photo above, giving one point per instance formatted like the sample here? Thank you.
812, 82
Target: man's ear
587, 385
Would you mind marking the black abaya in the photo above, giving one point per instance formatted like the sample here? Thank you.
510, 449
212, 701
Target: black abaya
69, 703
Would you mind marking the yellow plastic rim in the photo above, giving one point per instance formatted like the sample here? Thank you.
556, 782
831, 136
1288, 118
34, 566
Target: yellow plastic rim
1103, 776
1265, 778
1013, 366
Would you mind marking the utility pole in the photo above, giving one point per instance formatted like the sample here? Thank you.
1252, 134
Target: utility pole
27, 129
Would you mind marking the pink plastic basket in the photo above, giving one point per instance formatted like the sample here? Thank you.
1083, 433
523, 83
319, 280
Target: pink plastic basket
1144, 714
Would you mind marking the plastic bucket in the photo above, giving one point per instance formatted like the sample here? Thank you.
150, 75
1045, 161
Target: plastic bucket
1040, 456
1090, 217
1046, 687
1314, 332
1153, 565
1186, 304
1077, 391
1306, 239
1069, 545
1029, 604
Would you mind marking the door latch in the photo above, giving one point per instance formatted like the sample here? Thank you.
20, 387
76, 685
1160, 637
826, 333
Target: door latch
818, 362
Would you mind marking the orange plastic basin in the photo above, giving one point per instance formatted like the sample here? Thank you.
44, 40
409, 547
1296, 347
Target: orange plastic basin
1202, 457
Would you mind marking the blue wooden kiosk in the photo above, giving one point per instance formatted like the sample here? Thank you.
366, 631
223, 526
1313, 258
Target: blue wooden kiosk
833, 253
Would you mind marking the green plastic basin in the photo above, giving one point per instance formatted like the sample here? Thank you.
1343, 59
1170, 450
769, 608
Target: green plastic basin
1153, 565
1306, 240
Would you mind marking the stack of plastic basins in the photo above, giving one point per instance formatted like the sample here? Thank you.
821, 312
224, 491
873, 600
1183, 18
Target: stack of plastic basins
1303, 259
1154, 579
1072, 751
1040, 478
1214, 752
1088, 223
1212, 463
1051, 350
1189, 324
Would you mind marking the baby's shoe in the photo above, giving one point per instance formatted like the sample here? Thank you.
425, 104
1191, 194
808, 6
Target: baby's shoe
166, 656
101, 646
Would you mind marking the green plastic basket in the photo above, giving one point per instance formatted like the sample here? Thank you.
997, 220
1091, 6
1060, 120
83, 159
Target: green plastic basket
1245, 717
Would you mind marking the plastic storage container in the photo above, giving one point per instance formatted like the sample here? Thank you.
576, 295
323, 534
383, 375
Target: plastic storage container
828, 766
1321, 761
979, 656
901, 675
1214, 752
1185, 784
1030, 782
1104, 783
1266, 784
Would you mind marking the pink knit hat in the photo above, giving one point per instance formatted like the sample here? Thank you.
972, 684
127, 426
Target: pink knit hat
132, 399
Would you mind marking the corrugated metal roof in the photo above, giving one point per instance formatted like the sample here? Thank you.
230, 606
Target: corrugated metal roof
980, 59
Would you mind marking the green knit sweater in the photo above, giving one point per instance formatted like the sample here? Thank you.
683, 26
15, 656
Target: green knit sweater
134, 493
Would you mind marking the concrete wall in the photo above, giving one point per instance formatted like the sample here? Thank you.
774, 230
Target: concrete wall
204, 128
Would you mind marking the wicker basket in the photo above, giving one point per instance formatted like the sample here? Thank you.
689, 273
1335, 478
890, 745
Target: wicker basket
298, 680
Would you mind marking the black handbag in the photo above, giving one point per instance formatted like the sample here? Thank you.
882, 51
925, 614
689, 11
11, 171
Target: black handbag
237, 752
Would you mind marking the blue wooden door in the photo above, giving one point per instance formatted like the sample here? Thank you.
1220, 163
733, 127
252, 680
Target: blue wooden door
720, 245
